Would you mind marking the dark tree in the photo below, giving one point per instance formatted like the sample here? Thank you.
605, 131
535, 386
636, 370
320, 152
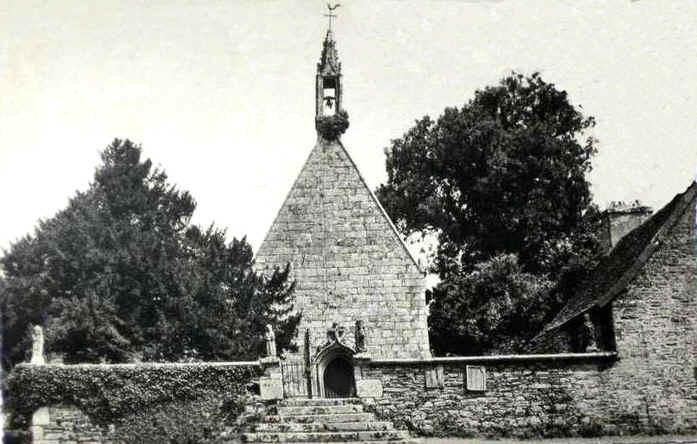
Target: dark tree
122, 274
504, 174
482, 311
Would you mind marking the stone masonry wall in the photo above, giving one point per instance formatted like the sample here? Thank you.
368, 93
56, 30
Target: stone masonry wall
655, 323
651, 388
522, 399
60, 424
348, 261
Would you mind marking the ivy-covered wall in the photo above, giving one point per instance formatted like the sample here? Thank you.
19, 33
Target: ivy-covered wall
139, 403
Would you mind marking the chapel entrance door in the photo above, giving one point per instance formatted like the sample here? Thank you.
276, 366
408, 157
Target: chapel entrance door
338, 379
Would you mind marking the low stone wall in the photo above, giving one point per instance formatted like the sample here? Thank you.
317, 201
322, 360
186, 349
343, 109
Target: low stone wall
524, 396
66, 423
130, 403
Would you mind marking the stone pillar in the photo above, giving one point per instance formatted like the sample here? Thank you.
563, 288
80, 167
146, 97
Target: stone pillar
39, 421
271, 384
365, 388
307, 363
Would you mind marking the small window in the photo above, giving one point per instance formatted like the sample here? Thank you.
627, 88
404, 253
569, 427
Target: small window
476, 378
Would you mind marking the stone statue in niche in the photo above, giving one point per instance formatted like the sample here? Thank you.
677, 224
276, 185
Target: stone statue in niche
37, 345
335, 334
592, 344
270, 338
360, 337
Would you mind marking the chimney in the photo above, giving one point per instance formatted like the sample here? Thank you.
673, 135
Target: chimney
619, 219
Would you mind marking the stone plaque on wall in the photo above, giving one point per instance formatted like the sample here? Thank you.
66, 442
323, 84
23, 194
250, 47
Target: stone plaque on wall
475, 378
270, 388
435, 377
369, 388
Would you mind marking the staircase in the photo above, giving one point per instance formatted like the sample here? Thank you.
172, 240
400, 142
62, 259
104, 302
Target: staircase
322, 420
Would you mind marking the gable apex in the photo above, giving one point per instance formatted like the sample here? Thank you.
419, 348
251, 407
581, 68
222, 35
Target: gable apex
337, 145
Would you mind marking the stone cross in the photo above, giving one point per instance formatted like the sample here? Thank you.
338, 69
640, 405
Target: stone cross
270, 338
37, 346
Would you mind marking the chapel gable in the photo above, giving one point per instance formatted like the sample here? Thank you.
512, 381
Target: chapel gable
348, 260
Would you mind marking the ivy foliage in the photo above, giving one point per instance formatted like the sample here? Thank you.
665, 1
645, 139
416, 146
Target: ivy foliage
331, 127
145, 403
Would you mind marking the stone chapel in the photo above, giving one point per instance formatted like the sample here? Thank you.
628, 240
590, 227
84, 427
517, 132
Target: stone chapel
620, 358
360, 291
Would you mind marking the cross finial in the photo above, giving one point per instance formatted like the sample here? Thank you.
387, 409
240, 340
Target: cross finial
330, 15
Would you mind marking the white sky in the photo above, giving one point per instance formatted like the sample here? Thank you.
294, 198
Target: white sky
221, 93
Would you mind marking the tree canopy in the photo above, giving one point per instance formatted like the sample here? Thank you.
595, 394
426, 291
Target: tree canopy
122, 274
486, 308
503, 174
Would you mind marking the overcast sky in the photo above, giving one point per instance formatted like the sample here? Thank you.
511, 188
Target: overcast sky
221, 93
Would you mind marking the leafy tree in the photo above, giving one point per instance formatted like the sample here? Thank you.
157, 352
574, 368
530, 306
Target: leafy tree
503, 174
482, 308
122, 274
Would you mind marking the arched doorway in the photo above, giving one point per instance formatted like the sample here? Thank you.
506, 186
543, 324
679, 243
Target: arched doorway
338, 379
333, 372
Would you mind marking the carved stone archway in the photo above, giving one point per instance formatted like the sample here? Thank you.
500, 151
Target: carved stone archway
338, 359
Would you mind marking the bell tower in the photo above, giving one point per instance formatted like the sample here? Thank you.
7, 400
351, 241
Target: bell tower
328, 79
352, 270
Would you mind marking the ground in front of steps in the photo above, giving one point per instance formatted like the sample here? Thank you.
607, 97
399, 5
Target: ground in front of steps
639, 439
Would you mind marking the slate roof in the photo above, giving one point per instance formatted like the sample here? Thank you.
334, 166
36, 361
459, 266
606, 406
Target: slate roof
615, 271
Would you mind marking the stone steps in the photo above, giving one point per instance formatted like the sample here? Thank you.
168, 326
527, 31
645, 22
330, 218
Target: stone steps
323, 426
362, 435
318, 409
295, 421
300, 402
335, 417
403, 441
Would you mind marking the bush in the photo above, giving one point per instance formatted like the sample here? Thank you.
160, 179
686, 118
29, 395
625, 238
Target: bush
331, 127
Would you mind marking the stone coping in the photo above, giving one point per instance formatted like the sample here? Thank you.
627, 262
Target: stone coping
595, 356
151, 365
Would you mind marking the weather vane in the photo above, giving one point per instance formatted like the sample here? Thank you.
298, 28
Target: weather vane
330, 15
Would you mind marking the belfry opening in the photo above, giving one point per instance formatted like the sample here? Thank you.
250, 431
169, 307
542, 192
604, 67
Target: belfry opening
328, 80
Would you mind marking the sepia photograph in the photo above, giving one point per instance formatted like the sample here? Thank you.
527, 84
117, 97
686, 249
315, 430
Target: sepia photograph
300, 221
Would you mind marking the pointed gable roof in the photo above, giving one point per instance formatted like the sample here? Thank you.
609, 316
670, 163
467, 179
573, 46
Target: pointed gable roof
615, 271
329, 191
